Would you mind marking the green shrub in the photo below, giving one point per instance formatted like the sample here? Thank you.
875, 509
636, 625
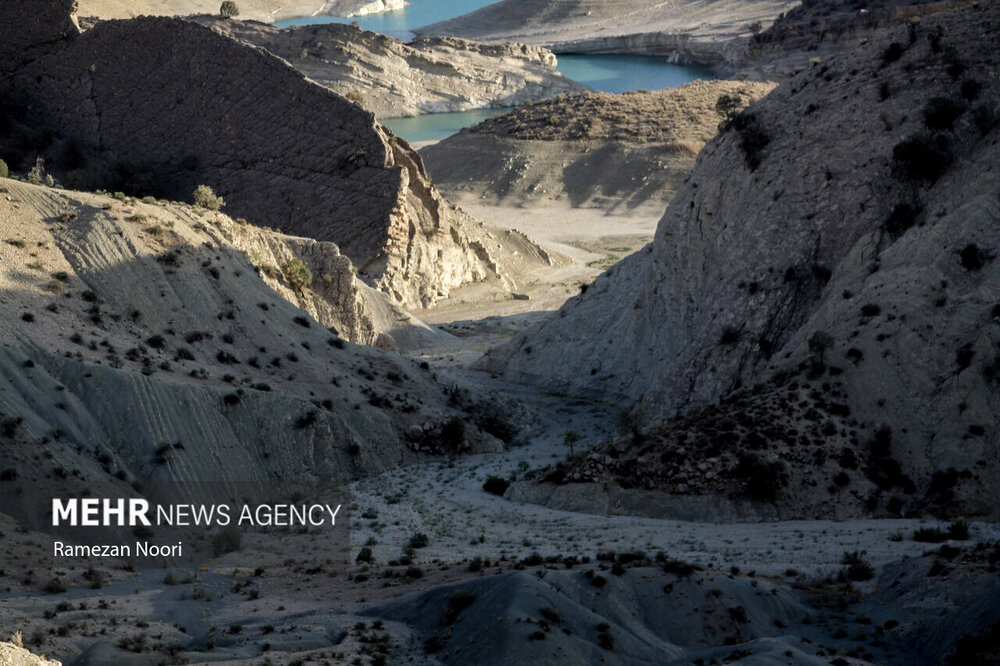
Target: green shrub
959, 531
205, 197
940, 113
857, 568
762, 479
930, 535
55, 585
496, 485
453, 432
753, 138
418, 540
297, 274
923, 156
229, 9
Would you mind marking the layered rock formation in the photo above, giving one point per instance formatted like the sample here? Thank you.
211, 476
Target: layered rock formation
620, 153
123, 107
259, 10
703, 32
130, 324
819, 306
394, 79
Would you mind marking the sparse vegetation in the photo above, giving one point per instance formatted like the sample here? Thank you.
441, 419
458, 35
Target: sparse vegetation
229, 9
205, 197
297, 274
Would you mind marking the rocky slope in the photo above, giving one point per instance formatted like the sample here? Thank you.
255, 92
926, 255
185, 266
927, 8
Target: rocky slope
819, 306
620, 153
821, 28
129, 324
393, 79
295, 156
711, 32
258, 10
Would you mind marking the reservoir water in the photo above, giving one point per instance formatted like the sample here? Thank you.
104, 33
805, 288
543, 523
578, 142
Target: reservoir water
435, 126
606, 73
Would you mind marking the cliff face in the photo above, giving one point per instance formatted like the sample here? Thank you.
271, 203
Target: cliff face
620, 153
133, 110
430, 75
836, 244
130, 324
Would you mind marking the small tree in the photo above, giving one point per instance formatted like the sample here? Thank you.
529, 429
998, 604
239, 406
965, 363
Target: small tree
569, 439
297, 274
205, 197
229, 10
728, 107
755, 28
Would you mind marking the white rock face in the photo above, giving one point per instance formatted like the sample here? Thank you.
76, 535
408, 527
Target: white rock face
830, 236
363, 7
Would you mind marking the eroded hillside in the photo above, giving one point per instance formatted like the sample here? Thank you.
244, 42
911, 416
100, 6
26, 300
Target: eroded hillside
134, 323
819, 305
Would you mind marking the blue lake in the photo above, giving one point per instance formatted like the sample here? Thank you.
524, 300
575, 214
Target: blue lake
622, 73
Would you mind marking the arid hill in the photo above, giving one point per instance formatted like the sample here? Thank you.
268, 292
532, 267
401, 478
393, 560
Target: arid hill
123, 107
814, 330
259, 10
619, 153
712, 32
392, 78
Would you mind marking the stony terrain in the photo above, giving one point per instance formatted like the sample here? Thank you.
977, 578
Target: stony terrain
392, 78
300, 158
619, 153
257, 10
713, 32
842, 223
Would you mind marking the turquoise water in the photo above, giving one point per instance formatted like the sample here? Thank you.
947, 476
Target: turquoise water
435, 126
621, 73
399, 23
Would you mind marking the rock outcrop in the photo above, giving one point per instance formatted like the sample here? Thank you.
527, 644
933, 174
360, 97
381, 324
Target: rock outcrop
712, 33
15, 655
392, 78
819, 307
129, 324
123, 107
620, 153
